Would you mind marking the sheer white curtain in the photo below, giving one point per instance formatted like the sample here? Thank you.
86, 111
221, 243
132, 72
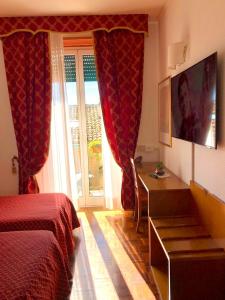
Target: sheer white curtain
58, 173
112, 176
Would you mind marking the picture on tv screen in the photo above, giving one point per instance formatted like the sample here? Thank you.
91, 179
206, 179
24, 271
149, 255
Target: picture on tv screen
193, 95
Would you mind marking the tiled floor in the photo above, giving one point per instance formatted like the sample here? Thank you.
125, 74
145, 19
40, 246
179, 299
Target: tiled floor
111, 259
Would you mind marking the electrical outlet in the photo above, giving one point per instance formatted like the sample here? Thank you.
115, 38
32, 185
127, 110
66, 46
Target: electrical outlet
149, 148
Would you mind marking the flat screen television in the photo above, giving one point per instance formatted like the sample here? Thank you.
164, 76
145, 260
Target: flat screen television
194, 97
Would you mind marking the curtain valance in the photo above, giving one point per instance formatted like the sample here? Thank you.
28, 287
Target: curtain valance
136, 23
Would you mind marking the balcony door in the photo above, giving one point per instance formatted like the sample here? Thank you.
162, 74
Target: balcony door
85, 125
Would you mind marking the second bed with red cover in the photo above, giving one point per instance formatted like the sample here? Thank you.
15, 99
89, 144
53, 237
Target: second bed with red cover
53, 212
32, 267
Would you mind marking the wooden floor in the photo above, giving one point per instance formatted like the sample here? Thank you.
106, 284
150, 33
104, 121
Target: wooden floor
111, 260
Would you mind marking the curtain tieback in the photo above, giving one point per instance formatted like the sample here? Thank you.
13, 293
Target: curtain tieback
14, 160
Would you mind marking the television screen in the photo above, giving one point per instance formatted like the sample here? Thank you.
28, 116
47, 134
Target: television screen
193, 94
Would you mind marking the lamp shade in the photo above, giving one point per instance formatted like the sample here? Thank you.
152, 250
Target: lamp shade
176, 54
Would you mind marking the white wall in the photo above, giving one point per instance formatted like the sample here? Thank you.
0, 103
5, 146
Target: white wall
147, 145
8, 181
201, 24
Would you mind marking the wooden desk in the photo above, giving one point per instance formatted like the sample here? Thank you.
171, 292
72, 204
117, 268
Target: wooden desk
166, 196
151, 184
186, 262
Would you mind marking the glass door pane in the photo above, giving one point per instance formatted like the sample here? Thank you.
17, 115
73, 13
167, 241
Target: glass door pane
93, 127
74, 116
85, 121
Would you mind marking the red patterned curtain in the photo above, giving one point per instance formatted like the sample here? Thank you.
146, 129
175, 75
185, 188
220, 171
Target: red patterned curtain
119, 59
27, 62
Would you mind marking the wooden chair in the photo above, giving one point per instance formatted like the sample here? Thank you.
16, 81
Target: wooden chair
141, 198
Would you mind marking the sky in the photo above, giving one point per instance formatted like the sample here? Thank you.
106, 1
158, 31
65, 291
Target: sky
91, 93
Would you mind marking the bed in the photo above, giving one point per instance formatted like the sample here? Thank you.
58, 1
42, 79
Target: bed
32, 267
53, 212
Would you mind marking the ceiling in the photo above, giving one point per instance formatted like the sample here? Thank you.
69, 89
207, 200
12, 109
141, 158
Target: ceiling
11, 8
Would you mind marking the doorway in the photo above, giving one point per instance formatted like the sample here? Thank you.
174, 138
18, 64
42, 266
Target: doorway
85, 125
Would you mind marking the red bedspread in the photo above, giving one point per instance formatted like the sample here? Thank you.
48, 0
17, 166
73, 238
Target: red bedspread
32, 267
53, 212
